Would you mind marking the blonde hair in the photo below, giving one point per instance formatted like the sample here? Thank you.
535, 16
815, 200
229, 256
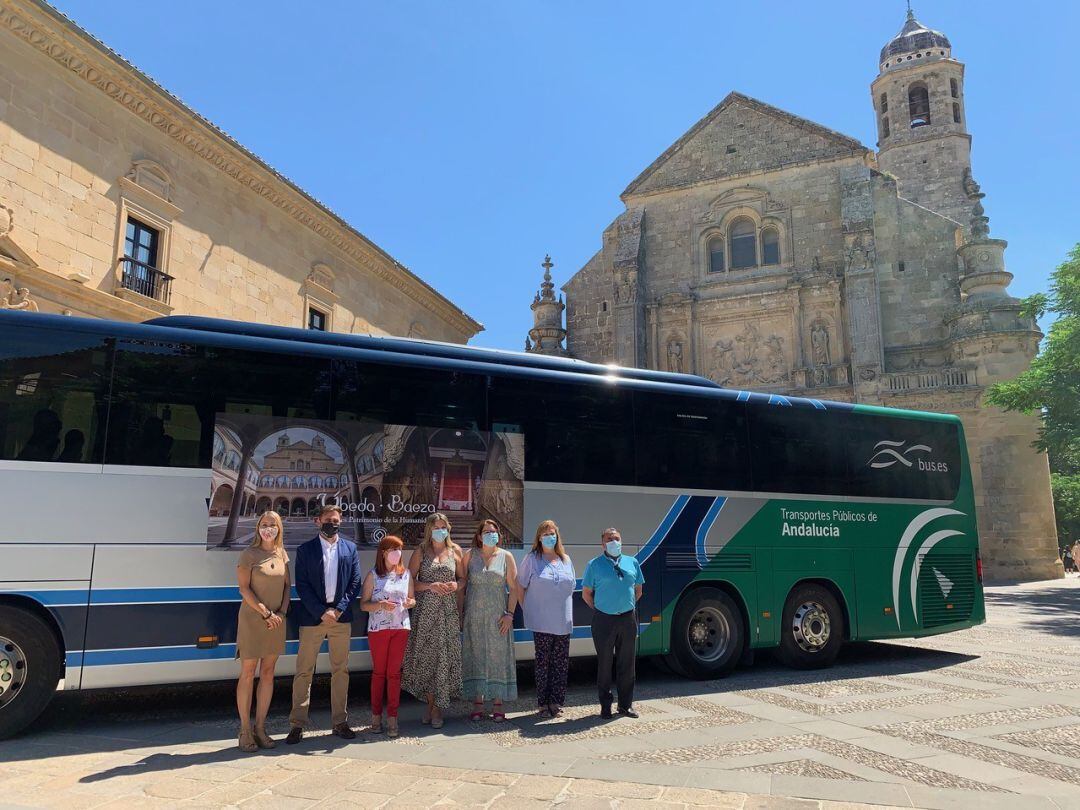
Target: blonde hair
275, 518
425, 546
538, 547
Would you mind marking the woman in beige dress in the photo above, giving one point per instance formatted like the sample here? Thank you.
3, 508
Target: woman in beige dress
263, 575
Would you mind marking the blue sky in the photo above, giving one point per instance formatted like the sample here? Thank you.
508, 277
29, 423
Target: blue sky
467, 139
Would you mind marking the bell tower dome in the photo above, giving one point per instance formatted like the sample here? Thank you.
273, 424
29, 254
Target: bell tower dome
918, 99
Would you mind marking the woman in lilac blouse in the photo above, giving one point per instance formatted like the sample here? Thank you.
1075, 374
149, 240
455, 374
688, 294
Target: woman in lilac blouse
546, 577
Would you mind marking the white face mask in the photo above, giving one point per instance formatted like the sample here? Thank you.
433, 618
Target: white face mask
613, 548
268, 532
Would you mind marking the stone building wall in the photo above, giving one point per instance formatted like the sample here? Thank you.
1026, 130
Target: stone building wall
86, 141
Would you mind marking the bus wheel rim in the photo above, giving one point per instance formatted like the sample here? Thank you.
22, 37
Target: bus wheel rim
12, 670
708, 634
811, 626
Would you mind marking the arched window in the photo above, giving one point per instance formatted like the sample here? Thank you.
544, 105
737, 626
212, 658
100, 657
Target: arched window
770, 246
954, 88
956, 113
884, 126
884, 102
919, 106
743, 244
716, 255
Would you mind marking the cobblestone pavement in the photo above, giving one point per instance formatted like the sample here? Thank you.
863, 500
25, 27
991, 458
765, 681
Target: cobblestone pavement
985, 718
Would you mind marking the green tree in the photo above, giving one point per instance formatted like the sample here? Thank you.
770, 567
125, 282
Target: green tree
1051, 386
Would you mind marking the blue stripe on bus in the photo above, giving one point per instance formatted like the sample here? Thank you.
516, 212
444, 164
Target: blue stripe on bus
161, 655
142, 596
664, 527
703, 530
75, 597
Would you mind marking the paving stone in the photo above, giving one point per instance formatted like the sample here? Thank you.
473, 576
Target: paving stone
629, 790
174, 788
474, 793
314, 785
538, 787
698, 796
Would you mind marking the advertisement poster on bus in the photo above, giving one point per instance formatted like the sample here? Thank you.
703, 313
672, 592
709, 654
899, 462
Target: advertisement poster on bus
387, 479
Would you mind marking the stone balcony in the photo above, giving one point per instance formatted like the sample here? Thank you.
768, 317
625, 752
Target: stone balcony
929, 380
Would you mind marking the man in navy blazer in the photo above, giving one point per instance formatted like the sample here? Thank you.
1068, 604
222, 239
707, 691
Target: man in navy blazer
328, 581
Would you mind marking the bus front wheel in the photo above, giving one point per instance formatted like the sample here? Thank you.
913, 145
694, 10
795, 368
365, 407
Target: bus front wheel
812, 629
29, 668
707, 634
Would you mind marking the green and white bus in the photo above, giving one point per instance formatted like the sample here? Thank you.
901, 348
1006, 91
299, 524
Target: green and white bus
135, 458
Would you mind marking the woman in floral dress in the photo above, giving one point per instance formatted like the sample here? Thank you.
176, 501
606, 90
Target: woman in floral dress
432, 667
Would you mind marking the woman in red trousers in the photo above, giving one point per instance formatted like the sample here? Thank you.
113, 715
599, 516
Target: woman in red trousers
387, 598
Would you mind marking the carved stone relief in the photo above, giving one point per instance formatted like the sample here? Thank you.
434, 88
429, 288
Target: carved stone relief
748, 358
861, 254
819, 344
626, 287
18, 298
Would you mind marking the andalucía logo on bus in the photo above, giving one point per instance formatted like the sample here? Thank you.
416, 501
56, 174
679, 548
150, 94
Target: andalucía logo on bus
887, 454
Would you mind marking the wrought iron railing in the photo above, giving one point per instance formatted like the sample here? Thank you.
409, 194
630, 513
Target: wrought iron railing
145, 279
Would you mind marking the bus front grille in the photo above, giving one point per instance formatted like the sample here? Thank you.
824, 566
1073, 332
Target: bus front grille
946, 588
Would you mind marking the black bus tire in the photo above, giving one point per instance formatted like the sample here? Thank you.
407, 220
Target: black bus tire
30, 662
812, 628
707, 635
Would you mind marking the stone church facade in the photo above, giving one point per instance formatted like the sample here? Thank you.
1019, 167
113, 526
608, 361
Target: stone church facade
118, 201
767, 252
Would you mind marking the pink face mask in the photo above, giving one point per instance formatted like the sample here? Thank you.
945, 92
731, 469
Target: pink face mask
393, 557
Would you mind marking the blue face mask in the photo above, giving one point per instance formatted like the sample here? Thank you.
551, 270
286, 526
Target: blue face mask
440, 535
613, 548
548, 540
490, 538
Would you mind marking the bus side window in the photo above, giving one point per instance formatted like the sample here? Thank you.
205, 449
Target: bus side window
166, 397
53, 396
408, 395
691, 442
898, 457
798, 450
574, 433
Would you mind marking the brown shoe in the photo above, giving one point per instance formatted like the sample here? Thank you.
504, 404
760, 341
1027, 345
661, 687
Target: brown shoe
262, 739
342, 730
295, 735
247, 741
391, 727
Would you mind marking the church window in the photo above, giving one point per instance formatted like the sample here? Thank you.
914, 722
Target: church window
316, 320
954, 87
743, 244
885, 126
919, 106
770, 246
884, 102
956, 112
716, 254
603, 306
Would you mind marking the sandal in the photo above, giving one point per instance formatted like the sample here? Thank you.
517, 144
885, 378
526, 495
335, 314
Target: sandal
556, 711
262, 739
477, 715
497, 716
376, 724
247, 741
391, 727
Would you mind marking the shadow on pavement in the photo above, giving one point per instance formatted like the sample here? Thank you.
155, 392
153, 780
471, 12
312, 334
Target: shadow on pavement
1054, 611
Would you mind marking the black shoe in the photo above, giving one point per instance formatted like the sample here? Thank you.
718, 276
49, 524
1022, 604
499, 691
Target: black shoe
629, 712
605, 712
342, 730
295, 735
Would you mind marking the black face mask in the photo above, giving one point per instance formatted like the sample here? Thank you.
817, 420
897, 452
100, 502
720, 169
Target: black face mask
328, 529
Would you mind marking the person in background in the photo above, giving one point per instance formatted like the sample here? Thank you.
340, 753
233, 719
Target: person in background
327, 581
1076, 555
546, 577
491, 597
387, 598
612, 587
262, 572
432, 668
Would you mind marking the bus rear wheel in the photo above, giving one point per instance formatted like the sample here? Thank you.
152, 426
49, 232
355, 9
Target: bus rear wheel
29, 668
707, 634
812, 628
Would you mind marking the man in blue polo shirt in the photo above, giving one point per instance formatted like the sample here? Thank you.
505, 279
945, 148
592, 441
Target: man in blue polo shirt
611, 587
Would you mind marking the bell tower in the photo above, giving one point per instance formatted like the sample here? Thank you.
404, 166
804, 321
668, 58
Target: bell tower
918, 99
